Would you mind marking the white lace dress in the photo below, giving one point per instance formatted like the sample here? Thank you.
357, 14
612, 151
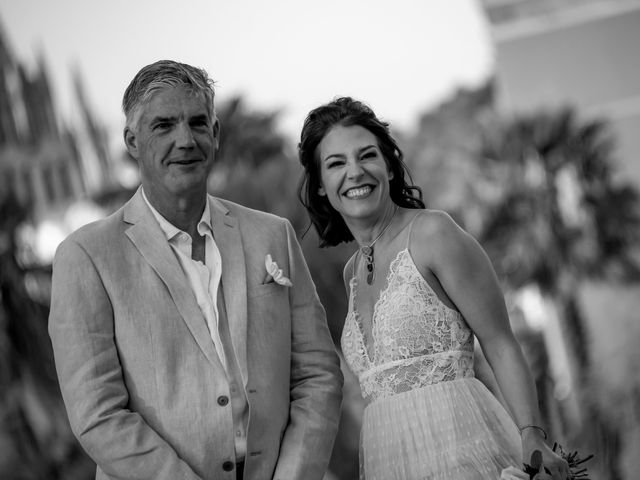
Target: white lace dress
427, 416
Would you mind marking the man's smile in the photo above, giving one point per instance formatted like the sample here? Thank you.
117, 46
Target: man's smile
185, 161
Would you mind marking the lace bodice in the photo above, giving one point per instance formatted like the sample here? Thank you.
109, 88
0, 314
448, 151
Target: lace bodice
416, 339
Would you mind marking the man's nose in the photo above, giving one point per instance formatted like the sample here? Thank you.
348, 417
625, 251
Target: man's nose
184, 136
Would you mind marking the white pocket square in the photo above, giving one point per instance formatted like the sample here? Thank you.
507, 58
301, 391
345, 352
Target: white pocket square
275, 272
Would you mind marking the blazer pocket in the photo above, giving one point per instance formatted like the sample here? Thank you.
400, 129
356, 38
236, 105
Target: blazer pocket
264, 289
268, 303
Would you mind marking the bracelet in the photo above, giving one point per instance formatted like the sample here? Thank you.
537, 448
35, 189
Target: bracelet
536, 427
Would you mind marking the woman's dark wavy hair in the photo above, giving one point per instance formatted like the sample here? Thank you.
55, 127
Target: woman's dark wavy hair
346, 111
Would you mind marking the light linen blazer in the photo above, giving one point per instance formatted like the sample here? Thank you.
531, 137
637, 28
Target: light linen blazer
141, 381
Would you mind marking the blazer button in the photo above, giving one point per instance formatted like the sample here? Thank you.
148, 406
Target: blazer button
227, 466
223, 400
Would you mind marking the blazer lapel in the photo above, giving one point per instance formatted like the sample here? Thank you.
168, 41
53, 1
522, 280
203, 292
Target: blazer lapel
149, 239
234, 282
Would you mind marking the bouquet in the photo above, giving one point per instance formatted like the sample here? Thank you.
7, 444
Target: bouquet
536, 471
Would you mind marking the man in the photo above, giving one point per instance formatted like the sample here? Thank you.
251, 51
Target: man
180, 356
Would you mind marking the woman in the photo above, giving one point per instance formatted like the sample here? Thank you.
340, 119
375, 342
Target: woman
419, 289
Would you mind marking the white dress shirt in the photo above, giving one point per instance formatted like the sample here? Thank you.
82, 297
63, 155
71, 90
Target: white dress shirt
204, 280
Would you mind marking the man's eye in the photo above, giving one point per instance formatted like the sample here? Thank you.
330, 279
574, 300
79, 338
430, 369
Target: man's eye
162, 126
200, 123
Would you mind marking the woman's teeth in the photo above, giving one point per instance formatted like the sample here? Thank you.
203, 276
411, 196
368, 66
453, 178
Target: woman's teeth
358, 192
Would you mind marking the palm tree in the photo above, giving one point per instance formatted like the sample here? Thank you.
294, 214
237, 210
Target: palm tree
253, 162
561, 218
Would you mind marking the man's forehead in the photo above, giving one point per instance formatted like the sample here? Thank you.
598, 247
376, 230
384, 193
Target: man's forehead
176, 93
176, 100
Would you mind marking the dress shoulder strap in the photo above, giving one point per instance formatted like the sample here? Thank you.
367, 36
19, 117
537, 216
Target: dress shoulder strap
413, 220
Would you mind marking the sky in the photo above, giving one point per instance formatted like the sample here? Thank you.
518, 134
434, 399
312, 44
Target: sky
402, 57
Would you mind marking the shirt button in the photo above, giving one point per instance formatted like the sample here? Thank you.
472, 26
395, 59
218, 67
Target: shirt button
238, 433
227, 466
223, 400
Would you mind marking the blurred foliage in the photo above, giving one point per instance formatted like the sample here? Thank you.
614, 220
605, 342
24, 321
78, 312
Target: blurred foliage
36, 442
559, 211
442, 155
254, 164
560, 218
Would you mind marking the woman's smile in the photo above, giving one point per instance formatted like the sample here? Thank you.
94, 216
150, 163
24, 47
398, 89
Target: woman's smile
359, 192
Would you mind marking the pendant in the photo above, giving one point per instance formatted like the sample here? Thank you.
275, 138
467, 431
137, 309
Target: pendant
367, 255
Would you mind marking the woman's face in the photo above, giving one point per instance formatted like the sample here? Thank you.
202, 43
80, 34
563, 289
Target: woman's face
353, 173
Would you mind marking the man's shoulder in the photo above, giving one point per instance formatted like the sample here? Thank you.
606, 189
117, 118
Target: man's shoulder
104, 229
243, 213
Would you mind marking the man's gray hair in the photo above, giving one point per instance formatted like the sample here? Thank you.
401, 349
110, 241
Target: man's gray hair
165, 74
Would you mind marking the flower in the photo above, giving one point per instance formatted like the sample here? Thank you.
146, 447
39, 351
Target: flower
576, 470
537, 471
513, 473
275, 272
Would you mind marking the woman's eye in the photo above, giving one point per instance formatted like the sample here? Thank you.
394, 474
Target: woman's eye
334, 163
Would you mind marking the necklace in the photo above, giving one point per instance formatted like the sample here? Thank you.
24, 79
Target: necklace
367, 252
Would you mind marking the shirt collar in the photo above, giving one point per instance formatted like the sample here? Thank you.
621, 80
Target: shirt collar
170, 230
204, 225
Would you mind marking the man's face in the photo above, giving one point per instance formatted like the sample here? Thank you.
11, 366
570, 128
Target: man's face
174, 142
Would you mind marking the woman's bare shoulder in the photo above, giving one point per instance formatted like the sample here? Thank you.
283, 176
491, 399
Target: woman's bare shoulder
437, 239
433, 225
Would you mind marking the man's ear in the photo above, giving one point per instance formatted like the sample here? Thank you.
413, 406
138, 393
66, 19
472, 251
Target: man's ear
216, 132
130, 141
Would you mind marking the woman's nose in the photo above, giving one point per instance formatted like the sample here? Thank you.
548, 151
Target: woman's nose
354, 169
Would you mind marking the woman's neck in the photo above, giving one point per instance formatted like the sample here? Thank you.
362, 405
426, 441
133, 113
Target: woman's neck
367, 231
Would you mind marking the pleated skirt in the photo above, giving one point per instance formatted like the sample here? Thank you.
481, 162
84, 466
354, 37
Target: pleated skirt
453, 430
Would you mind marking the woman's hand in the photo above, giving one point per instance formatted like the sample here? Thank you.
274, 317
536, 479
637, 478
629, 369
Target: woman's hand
532, 440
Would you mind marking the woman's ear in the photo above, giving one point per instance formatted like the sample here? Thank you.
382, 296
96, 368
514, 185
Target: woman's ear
389, 169
321, 191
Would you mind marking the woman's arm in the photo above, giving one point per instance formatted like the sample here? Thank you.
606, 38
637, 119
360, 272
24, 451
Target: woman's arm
469, 280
